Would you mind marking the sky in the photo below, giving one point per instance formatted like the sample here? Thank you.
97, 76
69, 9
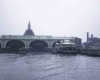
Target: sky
72, 18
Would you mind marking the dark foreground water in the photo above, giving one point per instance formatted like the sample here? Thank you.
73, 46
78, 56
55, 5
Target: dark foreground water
47, 66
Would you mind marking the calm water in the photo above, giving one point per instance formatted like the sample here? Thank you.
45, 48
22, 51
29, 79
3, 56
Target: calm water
47, 66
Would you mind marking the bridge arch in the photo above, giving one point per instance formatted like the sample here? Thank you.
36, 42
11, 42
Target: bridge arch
15, 44
53, 45
38, 45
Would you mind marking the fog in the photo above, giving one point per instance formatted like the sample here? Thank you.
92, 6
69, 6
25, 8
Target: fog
50, 17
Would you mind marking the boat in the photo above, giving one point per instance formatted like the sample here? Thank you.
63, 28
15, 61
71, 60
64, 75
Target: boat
65, 46
92, 50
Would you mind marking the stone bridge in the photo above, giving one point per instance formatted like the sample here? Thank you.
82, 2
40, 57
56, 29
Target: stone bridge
31, 41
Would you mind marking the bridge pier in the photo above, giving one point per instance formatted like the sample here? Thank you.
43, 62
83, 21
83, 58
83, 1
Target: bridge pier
26, 44
49, 42
3, 44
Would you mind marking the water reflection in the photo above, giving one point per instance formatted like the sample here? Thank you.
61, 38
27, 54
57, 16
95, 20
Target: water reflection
47, 66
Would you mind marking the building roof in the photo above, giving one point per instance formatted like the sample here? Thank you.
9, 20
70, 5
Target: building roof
66, 42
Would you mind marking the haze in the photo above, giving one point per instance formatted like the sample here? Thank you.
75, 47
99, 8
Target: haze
50, 17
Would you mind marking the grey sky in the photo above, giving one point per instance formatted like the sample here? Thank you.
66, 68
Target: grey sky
50, 17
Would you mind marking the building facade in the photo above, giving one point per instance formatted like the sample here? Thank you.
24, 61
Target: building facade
92, 41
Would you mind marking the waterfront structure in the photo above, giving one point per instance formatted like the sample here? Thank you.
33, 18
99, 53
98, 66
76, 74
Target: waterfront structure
30, 40
92, 41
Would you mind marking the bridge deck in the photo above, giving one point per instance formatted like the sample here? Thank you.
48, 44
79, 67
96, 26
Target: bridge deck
32, 37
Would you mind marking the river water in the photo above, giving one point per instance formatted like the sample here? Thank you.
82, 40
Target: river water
47, 66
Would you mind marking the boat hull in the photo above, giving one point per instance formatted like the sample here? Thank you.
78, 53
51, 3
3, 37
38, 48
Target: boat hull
67, 52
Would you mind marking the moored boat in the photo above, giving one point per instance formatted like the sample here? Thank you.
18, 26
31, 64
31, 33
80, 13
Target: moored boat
92, 50
65, 46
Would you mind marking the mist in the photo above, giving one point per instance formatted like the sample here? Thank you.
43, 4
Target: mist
72, 18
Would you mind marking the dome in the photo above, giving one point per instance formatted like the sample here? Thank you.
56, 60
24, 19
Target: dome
29, 32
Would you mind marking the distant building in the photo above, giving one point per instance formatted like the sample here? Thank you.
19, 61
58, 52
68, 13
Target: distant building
29, 32
78, 42
92, 41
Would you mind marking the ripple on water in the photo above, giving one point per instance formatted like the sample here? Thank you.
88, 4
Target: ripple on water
42, 66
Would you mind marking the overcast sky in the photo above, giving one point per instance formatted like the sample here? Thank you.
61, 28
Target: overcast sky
50, 17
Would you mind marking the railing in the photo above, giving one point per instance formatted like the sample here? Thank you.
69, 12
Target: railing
33, 37
26, 37
63, 37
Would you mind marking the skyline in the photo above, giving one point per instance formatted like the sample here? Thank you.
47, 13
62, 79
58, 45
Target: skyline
57, 18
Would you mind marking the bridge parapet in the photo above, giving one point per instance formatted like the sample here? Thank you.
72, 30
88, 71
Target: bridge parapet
25, 37
63, 37
34, 37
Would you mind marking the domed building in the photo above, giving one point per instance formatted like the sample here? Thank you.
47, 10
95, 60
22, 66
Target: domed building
29, 32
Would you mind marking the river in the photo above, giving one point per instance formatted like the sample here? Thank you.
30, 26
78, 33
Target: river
47, 66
